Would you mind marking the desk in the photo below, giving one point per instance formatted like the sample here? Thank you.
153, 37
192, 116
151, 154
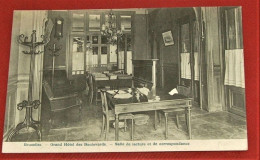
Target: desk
101, 80
150, 106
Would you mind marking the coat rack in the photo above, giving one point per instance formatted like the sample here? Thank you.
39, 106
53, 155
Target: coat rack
30, 103
54, 53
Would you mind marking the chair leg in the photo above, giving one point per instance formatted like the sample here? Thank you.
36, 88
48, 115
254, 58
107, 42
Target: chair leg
166, 125
103, 126
187, 123
107, 129
160, 119
155, 119
132, 130
177, 121
125, 125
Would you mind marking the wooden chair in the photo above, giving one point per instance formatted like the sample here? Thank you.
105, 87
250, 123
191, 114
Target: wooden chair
184, 91
61, 103
91, 88
109, 115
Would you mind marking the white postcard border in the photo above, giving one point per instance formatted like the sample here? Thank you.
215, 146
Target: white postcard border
125, 146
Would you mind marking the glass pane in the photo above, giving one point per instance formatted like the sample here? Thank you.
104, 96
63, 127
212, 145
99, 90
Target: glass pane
94, 39
88, 38
78, 61
239, 27
104, 50
234, 35
95, 50
185, 41
125, 23
195, 36
113, 54
103, 59
78, 44
94, 22
77, 22
110, 20
77, 55
129, 45
231, 30
103, 40
121, 60
94, 60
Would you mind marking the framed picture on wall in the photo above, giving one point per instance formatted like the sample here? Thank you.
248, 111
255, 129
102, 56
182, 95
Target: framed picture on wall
167, 38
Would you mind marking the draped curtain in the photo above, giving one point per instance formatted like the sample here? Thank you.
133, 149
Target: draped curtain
234, 72
186, 68
39, 19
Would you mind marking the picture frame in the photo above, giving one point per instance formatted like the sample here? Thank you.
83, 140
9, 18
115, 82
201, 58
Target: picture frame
168, 38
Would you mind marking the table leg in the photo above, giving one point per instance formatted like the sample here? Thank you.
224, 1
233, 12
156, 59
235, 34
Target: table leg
96, 92
116, 129
155, 120
189, 115
166, 125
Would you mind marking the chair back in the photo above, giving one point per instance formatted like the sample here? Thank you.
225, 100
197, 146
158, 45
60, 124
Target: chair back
47, 89
79, 83
183, 90
104, 102
90, 82
114, 84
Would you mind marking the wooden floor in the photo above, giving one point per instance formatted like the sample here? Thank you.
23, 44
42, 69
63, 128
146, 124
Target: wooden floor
205, 125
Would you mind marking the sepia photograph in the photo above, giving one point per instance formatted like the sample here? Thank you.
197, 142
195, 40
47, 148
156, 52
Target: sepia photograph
142, 79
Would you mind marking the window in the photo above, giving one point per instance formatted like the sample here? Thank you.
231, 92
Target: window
78, 55
87, 44
78, 22
185, 39
233, 20
126, 23
95, 40
94, 22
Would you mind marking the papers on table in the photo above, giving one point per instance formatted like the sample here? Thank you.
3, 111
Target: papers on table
120, 94
144, 90
123, 96
113, 92
174, 91
100, 76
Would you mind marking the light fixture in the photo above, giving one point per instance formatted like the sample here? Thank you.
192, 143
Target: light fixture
112, 32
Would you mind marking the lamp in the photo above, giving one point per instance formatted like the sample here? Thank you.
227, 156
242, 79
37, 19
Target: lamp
111, 31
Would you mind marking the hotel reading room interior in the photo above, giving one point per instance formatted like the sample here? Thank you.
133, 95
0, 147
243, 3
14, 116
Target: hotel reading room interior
126, 75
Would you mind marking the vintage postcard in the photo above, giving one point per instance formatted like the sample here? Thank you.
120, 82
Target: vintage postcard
126, 80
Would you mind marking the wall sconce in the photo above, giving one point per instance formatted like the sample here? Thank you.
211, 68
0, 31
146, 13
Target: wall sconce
59, 27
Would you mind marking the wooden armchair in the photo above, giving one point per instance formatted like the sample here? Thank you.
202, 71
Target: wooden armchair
61, 103
109, 115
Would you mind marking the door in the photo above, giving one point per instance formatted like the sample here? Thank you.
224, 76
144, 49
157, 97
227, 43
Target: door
77, 55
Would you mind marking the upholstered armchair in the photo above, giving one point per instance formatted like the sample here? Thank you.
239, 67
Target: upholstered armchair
62, 85
61, 102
